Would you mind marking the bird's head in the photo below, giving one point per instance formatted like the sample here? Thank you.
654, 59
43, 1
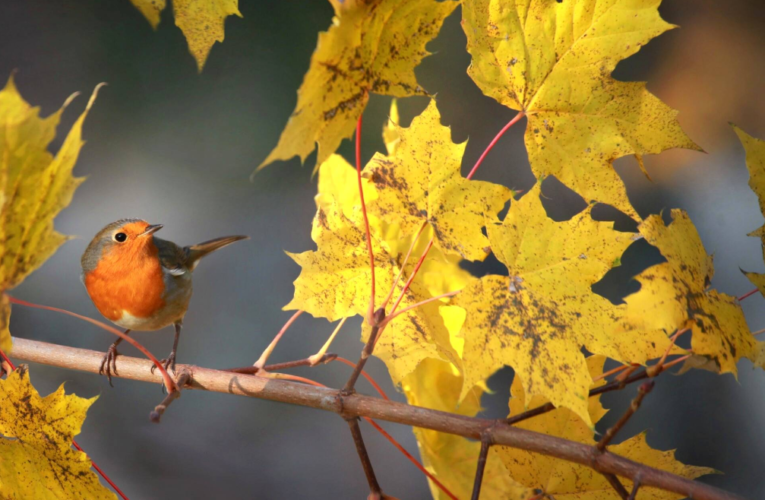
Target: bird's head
122, 240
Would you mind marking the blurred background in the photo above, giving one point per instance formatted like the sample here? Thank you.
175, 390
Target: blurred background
175, 147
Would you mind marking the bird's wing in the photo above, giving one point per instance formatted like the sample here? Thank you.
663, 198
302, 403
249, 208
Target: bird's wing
172, 257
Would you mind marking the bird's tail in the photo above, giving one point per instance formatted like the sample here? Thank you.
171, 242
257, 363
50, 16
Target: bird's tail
196, 252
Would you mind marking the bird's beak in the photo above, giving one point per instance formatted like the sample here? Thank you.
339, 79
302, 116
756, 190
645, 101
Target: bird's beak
151, 229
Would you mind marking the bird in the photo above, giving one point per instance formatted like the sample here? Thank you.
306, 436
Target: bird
140, 282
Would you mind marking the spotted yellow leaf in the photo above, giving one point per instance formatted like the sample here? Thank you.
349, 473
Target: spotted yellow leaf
539, 317
36, 455
545, 475
151, 10
201, 21
335, 280
371, 47
452, 459
755, 163
34, 187
553, 61
421, 183
676, 295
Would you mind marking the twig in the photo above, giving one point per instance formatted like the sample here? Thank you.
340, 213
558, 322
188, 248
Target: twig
374, 486
616, 385
635, 488
372, 407
249, 370
485, 444
377, 318
617, 485
644, 389
156, 415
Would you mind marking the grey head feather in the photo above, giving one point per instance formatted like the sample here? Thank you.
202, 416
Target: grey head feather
101, 241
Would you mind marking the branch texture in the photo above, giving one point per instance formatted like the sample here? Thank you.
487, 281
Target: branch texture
365, 406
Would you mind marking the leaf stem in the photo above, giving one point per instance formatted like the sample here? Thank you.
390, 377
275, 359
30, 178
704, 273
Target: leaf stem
411, 278
748, 294
403, 265
366, 218
494, 141
261, 362
422, 303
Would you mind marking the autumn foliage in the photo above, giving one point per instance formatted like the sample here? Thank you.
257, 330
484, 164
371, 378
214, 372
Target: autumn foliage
444, 332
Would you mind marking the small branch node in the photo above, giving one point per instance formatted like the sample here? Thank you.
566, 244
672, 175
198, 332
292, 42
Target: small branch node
180, 382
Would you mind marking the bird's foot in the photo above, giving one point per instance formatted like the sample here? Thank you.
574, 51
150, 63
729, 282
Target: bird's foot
168, 363
109, 364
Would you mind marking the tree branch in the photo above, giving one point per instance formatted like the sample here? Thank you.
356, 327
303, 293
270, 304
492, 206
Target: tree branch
365, 406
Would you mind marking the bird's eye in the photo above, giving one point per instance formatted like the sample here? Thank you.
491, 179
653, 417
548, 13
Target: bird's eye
120, 237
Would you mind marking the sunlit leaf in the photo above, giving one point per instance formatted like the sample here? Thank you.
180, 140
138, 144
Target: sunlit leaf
371, 47
34, 187
676, 295
452, 459
335, 280
570, 481
539, 317
421, 183
36, 456
553, 60
201, 21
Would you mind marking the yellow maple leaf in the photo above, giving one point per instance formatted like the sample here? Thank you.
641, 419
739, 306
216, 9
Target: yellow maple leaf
553, 60
452, 459
36, 456
566, 480
675, 295
421, 182
371, 47
539, 317
202, 22
755, 163
151, 10
391, 129
335, 280
34, 187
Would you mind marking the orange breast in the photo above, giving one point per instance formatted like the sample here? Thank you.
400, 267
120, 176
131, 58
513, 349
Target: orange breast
129, 280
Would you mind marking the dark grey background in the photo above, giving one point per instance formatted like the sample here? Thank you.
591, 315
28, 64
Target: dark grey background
175, 147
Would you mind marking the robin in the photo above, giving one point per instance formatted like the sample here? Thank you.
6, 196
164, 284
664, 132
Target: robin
141, 282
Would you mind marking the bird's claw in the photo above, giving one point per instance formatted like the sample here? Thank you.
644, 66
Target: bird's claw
109, 364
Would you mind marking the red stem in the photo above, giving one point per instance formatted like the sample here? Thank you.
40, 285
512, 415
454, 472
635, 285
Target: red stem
366, 218
411, 458
494, 141
92, 462
411, 278
748, 294
171, 387
380, 429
